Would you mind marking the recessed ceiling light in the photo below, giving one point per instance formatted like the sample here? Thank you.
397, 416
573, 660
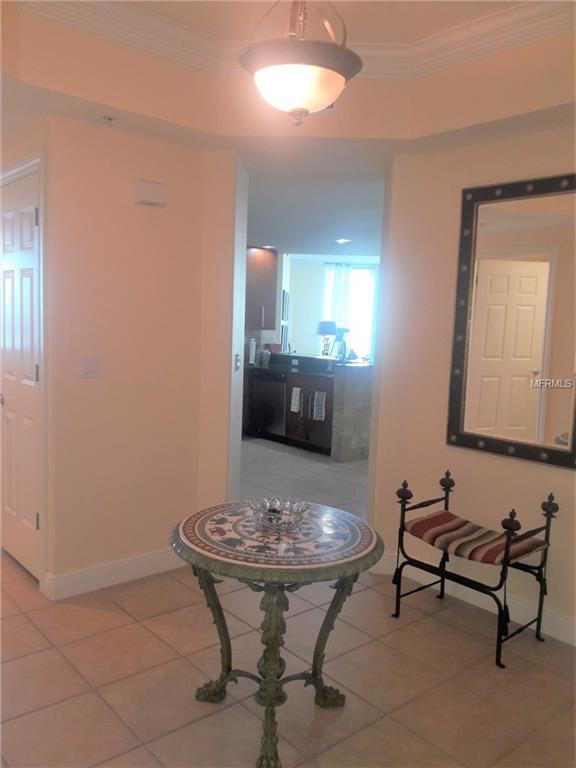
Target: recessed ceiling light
343, 240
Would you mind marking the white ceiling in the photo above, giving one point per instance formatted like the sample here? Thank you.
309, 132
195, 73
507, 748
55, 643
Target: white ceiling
367, 22
307, 216
394, 39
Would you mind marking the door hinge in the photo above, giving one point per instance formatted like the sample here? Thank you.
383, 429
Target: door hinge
37, 372
37, 521
36, 217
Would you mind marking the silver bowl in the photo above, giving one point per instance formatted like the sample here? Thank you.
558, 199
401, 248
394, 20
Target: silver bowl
276, 514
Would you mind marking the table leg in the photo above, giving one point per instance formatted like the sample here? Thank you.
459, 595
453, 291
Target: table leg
271, 667
327, 696
215, 690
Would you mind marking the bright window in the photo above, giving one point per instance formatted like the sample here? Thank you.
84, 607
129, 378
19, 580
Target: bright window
349, 301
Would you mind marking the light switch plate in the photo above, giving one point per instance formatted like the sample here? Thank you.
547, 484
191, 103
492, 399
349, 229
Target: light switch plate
90, 368
151, 193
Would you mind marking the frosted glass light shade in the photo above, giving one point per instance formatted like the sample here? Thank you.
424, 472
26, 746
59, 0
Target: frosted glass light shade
300, 76
299, 87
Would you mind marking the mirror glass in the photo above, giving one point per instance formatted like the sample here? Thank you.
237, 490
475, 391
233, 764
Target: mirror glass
521, 340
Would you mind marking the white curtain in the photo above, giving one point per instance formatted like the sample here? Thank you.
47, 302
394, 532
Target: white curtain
349, 301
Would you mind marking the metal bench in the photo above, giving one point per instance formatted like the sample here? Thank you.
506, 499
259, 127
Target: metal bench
457, 536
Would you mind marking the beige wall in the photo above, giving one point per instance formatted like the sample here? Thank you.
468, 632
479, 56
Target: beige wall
221, 333
306, 305
418, 291
132, 286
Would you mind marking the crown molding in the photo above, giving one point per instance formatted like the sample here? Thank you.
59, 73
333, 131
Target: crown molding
496, 32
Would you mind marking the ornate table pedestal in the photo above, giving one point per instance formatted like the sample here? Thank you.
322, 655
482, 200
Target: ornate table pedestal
330, 546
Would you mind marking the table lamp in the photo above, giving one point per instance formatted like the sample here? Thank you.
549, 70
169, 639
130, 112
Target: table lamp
326, 328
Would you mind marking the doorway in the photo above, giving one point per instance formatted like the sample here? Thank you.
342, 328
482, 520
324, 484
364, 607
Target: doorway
20, 360
312, 271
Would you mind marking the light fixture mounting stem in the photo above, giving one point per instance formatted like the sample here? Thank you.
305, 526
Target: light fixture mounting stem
298, 18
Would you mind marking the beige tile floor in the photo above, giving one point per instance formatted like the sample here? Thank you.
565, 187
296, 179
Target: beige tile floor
273, 468
108, 679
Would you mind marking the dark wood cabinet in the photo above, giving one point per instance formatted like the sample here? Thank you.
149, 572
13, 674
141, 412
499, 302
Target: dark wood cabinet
261, 289
311, 424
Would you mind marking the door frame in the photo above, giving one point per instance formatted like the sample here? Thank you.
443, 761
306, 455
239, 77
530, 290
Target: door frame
34, 164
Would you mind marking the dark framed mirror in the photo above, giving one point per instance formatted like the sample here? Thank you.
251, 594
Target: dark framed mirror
512, 388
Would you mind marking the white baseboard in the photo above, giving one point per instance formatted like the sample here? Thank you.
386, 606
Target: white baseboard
57, 586
558, 625
62, 585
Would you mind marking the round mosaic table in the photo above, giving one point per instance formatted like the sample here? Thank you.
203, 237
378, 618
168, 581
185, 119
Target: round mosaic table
330, 545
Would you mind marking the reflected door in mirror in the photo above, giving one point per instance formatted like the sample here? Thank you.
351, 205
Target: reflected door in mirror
507, 349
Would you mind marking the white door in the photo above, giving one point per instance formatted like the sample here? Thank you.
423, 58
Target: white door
21, 496
506, 350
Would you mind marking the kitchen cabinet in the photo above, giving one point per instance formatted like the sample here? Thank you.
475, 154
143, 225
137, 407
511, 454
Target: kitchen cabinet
261, 289
301, 426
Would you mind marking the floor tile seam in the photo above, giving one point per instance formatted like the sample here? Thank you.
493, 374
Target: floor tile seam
127, 752
420, 736
173, 576
539, 665
183, 654
47, 706
378, 637
380, 716
175, 610
329, 659
143, 671
425, 616
256, 629
43, 635
520, 738
124, 677
21, 609
94, 689
88, 637
448, 679
200, 719
466, 631
141, 740
138, 619
27, 655
287, 741
365, 727
201, 671
161, 574
462, 668
536, 730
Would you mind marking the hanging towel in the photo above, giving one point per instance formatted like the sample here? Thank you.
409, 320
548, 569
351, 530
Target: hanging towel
295, 399
319, 406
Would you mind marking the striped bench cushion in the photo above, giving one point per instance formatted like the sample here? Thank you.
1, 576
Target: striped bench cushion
460, 537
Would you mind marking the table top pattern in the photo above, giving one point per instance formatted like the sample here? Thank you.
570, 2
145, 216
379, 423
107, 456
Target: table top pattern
226, 534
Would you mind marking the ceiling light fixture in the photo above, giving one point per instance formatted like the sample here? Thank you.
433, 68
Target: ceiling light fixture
343, 240
298, 74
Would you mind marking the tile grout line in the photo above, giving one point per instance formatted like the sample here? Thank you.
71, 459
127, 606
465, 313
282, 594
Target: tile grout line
116, 716
539, 728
